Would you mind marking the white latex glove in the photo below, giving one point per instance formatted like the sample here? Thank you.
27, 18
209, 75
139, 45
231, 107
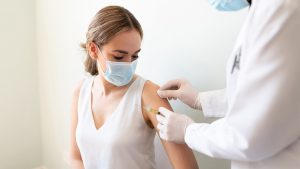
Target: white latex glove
182, 90
172, 125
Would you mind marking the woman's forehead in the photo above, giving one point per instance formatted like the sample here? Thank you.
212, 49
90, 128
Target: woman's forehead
127, 41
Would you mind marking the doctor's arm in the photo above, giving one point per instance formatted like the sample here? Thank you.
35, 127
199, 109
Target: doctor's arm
263, 116
213, 103
180, 155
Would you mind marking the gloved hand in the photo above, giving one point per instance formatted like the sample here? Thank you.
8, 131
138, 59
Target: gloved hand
182, 90
172, 126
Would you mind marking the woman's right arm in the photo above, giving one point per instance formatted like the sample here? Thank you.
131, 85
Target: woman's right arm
75, 156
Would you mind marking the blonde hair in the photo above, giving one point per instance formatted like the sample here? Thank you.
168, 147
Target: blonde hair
105, 25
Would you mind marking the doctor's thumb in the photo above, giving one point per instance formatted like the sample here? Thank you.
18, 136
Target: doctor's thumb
168, 94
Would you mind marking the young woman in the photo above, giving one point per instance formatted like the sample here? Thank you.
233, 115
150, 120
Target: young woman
110, 129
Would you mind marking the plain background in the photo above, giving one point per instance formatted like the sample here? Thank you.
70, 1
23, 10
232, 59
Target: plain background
41, 61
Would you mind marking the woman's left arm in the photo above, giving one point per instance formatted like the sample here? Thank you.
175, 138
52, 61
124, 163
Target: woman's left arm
180, 155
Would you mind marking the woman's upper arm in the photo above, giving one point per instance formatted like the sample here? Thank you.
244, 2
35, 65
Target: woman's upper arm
180, 155
74, 151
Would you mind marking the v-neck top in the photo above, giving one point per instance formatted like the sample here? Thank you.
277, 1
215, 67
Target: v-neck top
124, 140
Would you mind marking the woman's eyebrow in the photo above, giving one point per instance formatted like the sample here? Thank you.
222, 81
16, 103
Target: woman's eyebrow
125, 52
137, 51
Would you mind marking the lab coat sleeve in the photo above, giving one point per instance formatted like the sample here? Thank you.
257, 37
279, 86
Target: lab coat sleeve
264, 113
213, 103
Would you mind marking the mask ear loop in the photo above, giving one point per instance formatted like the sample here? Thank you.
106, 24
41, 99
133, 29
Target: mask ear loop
97, 62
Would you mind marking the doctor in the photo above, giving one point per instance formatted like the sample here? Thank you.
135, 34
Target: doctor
260, 128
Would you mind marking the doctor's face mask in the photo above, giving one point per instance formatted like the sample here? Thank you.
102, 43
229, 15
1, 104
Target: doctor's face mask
118, 73
229, 5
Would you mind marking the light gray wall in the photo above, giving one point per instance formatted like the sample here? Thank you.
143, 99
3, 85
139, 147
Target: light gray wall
20, 135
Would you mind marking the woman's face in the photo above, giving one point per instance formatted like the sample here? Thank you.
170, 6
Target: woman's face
124, 47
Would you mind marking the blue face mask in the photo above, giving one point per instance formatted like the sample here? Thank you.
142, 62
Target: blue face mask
119, 73
229, 5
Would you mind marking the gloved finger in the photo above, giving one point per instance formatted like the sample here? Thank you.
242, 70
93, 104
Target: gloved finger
161, 119
161, 128
168, 93
171, 85
165, 112
163, 136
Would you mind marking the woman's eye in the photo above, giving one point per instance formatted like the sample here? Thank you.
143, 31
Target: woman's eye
135, 57
118, 57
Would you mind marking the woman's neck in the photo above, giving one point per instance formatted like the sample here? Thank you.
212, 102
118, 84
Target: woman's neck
106, 87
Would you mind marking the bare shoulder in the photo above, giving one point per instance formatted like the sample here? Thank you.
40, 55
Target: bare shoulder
151, 98
75, 98
150, 87
76, 89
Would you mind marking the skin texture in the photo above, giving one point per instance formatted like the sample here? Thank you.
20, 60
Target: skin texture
124, 47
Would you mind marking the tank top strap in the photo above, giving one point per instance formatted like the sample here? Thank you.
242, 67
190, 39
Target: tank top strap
131, 101
84, 95
137, 100
136, 88
139, 90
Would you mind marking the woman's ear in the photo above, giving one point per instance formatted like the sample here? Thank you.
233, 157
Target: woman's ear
92, 49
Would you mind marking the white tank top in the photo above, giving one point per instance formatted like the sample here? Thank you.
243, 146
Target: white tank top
124, 141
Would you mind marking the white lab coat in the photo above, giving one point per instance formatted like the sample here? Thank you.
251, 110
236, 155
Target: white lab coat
261, 105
